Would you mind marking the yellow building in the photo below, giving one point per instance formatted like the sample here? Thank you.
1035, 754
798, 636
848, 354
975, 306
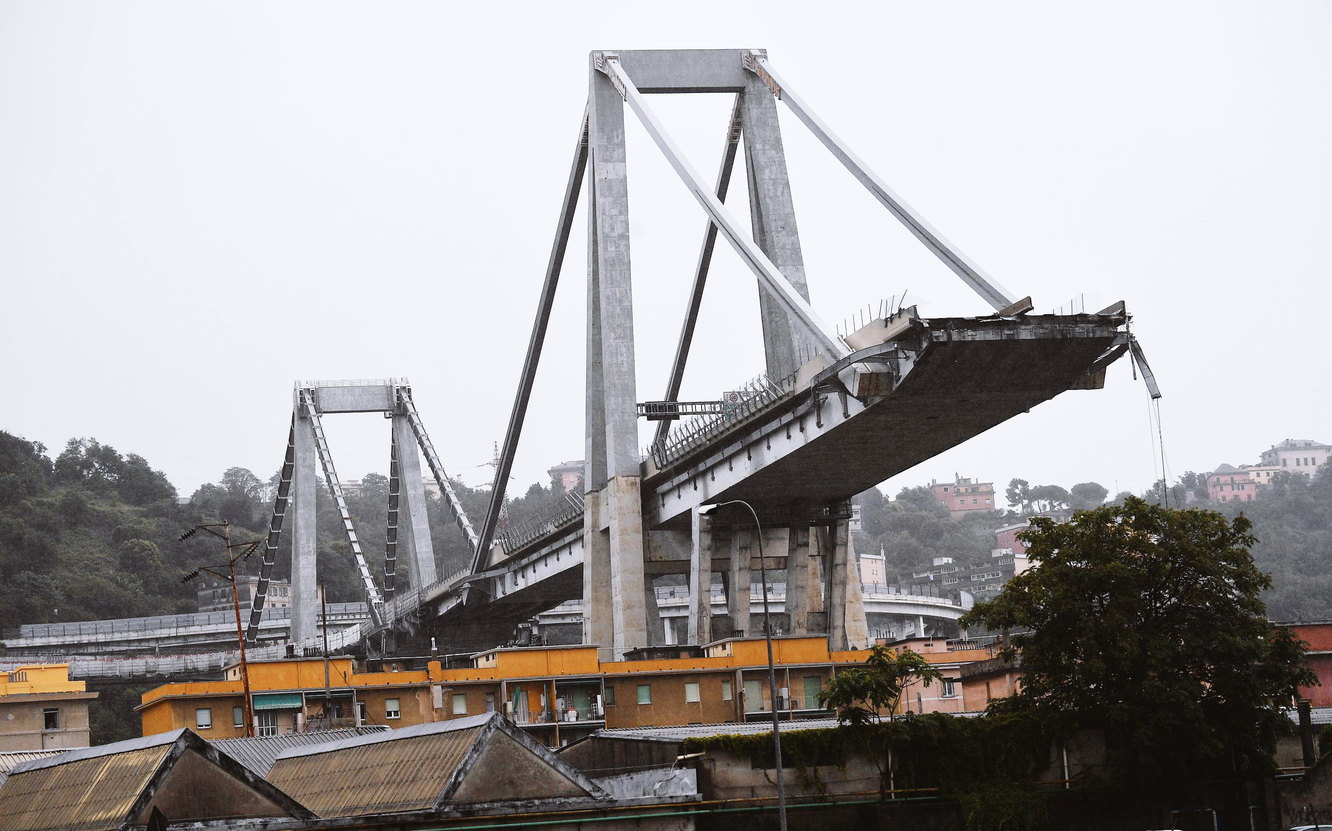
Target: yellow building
559, 694
41, 709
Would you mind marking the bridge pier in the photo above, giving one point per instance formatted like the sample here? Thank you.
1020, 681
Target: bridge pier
304, 580
700, 579
798, 582
846, 605
413, 523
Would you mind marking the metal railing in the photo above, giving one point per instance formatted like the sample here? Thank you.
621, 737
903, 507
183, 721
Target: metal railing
164, 625
533, 529
738, 406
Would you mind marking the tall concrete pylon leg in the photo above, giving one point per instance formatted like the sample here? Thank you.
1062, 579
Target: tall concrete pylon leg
304, 579
412, 514
772, 215
612, 424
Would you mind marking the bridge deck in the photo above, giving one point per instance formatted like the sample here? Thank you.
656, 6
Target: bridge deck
977, 375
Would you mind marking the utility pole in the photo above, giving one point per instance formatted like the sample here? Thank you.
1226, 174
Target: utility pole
328, 692
235, 552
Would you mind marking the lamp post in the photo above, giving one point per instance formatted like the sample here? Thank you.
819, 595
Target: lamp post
772, 668
235, 553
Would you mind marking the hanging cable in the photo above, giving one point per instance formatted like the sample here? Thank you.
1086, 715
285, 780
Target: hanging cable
1165, 464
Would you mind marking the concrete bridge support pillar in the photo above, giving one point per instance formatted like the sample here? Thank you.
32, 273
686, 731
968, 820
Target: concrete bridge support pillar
846, 606
739, 588
700, 580
412, 508
597, 625
612, 422
304, 579
798, 583
772, 216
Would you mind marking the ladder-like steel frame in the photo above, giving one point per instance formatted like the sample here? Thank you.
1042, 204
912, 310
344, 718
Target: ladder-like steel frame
372, 595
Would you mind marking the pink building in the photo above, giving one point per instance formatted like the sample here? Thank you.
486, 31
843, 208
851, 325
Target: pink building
1006, 537
567, 474
1231, 484
964, 495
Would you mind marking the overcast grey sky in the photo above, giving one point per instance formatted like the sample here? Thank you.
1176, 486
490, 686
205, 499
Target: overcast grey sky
202, 202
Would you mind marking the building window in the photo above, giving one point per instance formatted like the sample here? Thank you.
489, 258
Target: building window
490, 702
949, 688
51, 718
267, 722
237, 716
644, 693
392, 708
726, 691
460, 704
203, 718
691, 692
610, 696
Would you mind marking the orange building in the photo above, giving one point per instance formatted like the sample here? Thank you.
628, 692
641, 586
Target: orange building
559, 694
41, 709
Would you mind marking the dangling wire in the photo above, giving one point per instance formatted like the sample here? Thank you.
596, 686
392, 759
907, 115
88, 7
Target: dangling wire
1152, 430
1165, 463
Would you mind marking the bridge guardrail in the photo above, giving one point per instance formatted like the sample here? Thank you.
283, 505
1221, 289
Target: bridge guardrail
739, 406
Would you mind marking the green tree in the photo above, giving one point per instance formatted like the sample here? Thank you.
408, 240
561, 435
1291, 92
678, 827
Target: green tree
1085, 495
1017, 494
1147, 623
1049, 497
861, 695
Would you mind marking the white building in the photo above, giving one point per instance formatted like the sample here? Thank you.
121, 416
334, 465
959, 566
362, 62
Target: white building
1297, 455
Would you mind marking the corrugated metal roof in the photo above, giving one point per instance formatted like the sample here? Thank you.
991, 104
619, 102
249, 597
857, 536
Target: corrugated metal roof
259, 753
94, 792
12, 758
376, 774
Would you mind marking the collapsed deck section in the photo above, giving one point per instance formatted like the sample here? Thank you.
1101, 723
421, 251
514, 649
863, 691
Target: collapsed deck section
928, 386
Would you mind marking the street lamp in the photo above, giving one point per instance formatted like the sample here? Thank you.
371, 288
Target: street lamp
772, 668
235, 553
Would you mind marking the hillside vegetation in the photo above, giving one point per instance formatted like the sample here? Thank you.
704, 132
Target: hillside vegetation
93, 534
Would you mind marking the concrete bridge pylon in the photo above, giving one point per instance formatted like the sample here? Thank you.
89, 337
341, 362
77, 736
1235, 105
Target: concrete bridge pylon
408, 530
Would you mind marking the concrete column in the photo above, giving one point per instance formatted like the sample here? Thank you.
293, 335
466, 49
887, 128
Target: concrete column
847, 626
625, 514
596, 588
837, 568
738, 593
412, 506
304, 579
798, 586
609, 215
656, 627
772, 215
857, 624
700, 580
611, 340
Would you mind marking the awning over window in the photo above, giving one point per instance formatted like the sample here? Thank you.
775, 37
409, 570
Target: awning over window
277, 701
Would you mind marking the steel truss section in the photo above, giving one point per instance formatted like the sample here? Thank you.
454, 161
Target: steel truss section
280, 502
436, 469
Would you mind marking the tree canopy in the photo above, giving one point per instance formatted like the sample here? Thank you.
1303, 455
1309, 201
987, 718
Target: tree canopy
861, 694
1148, 623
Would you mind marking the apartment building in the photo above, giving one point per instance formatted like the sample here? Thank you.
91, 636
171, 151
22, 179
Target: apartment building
41, 709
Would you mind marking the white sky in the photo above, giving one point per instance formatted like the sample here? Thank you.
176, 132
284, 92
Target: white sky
201, 203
